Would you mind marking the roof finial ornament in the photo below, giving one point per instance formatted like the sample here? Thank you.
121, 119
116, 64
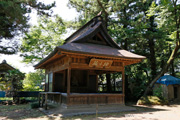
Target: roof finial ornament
4, 61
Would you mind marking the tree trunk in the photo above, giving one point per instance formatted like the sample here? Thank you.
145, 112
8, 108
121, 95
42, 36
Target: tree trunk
172, 63
151, 45
172, 69
108, 79
173, 55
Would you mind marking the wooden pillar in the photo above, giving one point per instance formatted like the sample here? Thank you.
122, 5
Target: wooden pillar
39, 99
46, 97
97, 80
108, 81
68, 81
123, 84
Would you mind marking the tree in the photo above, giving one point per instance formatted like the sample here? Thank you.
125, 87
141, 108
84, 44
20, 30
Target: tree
33, 81
14, 17
42, 39
168, 17
127, 23
12, 83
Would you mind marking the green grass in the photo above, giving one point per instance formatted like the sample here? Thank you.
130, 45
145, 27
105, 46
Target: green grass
18, 112
6, 98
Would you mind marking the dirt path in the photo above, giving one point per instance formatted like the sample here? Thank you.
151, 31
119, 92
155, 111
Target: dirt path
23, 112
171, 112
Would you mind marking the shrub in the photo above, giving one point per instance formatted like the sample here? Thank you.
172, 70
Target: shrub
34, 105
152, 100
158, 92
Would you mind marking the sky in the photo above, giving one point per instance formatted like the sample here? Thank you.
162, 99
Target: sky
62, 10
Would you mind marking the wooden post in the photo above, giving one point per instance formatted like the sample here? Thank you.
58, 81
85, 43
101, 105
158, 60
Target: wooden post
108, 82
60, 98
97, 83
39, 99
43, 97
46, 97
68, 81
123, 84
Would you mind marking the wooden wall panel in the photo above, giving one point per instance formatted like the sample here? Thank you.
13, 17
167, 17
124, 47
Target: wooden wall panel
95, 99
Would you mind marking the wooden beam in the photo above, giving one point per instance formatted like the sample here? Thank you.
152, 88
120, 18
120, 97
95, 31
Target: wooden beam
58, 68
131, 60
86, 67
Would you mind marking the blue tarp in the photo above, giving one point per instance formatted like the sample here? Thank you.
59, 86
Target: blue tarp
2, 94
168, 80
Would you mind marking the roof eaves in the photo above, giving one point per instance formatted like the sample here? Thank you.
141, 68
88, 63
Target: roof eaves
7, 65
89, 53
46, 58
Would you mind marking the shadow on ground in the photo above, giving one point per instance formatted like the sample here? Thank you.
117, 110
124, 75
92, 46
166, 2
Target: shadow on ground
18, 112
122, 111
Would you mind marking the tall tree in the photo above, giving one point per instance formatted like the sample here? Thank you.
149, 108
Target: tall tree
42, 39
168, 17
14, 17
12, 83
128, 25
33, 81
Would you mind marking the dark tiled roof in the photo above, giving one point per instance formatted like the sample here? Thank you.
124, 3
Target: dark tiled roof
5, 66
88, 48
89, 30
78, 42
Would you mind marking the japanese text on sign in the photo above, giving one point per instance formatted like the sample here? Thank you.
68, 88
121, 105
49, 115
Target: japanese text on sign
100, 63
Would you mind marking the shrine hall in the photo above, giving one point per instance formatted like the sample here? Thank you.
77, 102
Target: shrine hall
80, 71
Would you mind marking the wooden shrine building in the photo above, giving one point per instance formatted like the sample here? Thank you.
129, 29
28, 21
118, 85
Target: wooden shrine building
4, 68
73, 69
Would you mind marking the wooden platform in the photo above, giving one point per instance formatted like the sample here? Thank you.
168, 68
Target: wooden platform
80, 98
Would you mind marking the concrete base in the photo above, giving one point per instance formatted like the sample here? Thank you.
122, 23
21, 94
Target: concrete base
68, 111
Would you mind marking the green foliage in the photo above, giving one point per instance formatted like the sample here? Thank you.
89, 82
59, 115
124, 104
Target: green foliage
158, 92
12, 81
144, 27
42, 39
34, 105
152, 100
32, 81
14, 17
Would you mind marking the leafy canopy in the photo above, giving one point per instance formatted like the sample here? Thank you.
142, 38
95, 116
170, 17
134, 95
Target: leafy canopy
12, 81
33, 81
42, 39
14, 17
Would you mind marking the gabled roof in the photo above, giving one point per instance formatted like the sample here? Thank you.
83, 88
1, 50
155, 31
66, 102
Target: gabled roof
82, 42
89, 30
4, 66
95, 49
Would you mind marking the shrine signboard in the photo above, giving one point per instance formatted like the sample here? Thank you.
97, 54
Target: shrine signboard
98, 63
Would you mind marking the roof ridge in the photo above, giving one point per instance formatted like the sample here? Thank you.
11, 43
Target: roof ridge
94, 20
